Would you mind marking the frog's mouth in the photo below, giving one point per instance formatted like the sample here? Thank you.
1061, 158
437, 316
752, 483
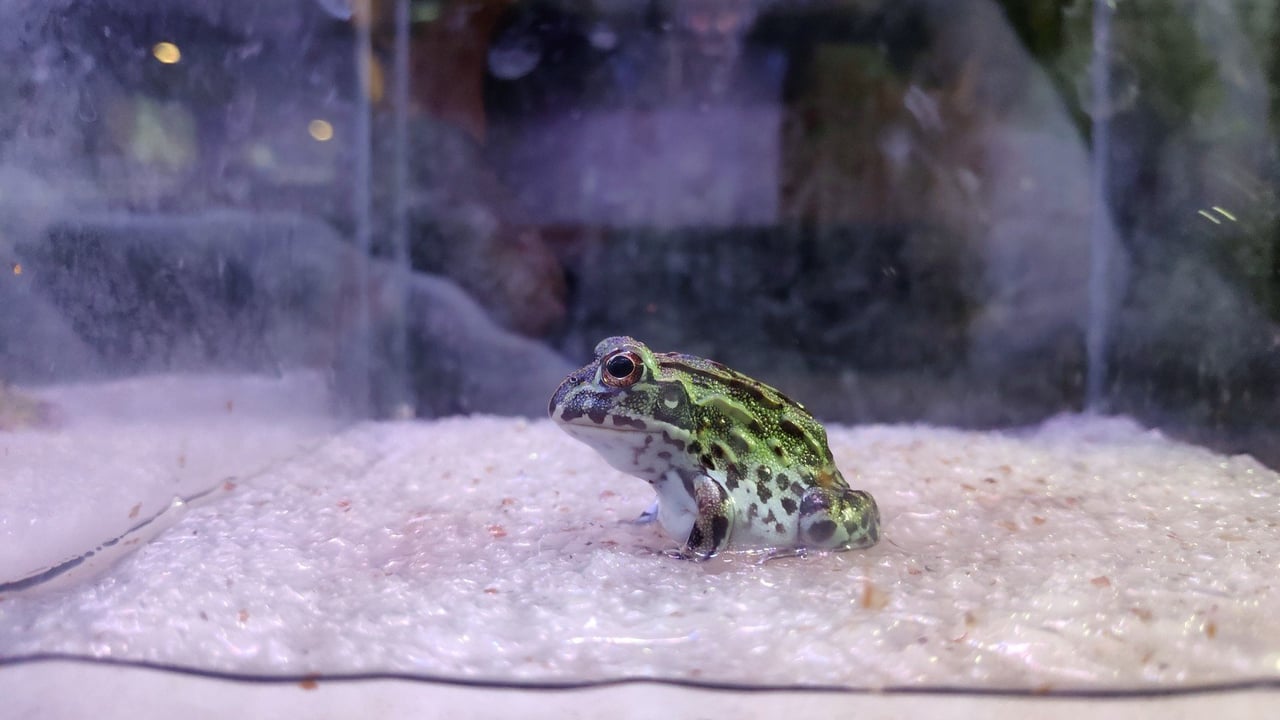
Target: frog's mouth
613, 424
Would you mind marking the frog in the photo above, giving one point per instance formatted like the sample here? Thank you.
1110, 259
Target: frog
735, 463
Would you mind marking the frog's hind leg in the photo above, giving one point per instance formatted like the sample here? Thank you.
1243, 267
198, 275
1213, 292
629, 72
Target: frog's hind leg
840, 519
714, 519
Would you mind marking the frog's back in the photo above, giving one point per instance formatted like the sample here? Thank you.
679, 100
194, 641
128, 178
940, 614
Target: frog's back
753, 423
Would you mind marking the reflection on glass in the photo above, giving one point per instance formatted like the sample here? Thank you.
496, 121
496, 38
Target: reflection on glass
274, 401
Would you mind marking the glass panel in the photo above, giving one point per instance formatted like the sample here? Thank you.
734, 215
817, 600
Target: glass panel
291, 288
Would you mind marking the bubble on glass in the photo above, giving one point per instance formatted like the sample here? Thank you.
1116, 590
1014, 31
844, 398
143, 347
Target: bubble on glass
515, 55
602, 37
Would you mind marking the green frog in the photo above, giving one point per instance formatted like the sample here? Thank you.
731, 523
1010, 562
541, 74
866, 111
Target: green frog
735, 463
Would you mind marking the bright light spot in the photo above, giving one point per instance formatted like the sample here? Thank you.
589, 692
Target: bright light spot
1209, 216
166, 52
17, 268
1224, 213
321, 130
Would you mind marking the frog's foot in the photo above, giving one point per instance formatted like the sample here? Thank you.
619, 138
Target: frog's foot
714, 520
648, 516
780, 553
838, 519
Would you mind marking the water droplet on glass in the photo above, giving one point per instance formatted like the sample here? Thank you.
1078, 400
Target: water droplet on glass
515, 55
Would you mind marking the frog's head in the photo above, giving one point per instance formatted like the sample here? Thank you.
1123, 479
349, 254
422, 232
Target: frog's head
620, 403
612, 392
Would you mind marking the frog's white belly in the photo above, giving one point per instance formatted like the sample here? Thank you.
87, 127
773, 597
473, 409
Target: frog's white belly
660, 459
677, 511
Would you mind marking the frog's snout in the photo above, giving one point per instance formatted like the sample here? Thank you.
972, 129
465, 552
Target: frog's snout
561, 396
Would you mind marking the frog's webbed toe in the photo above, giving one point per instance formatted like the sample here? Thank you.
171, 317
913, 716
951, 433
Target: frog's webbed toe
714, 519
838, 518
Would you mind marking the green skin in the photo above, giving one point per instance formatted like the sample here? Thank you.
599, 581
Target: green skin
735, 463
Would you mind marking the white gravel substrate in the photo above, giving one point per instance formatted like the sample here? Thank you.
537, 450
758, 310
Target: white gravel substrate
1088, 553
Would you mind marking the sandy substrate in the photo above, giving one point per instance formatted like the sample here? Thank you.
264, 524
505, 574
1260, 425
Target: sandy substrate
1088, 553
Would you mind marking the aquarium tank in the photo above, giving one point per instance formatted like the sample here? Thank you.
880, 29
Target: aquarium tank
347, 344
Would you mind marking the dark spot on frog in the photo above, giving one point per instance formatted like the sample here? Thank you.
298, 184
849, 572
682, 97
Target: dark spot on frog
813, 502
755, 427
663, 454
688, 486
789, 505
771, 518
733, 474
790, 428
783, 481
779, 452
719, 529
797, 489
570, 412
738, 444
763, 491
597, 415
672, 396
753, 510
636, 452
822, 530
763, 473
718, 450
707, 462
620, 421
695, 448
782, 530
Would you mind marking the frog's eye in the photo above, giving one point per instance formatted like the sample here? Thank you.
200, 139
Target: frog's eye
621, 369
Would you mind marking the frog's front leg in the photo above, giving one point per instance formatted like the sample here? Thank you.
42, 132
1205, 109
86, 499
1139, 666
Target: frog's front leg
649, 515
839, 519
713, 521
